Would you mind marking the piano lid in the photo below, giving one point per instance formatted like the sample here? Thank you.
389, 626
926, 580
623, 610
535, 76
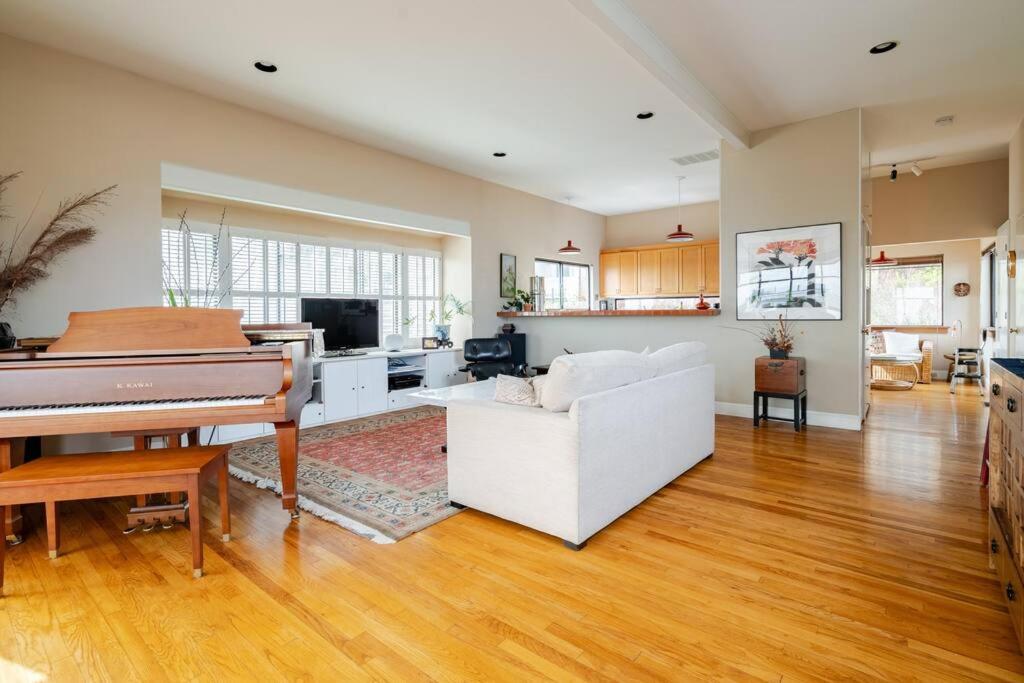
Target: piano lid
152, 328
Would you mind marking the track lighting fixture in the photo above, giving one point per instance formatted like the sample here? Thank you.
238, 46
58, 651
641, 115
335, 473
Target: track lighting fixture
916, 170
893, 174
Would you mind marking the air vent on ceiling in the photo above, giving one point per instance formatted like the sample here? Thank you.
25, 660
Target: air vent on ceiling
698, 158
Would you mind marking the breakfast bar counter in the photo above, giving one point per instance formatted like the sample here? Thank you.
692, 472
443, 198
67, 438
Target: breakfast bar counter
607, 314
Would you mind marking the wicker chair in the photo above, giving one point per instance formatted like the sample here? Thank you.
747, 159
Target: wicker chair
924, 367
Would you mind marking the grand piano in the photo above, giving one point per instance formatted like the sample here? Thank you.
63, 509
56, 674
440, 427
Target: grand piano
153, 369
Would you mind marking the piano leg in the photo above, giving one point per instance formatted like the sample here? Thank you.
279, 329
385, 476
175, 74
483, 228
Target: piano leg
12, 513
288, 454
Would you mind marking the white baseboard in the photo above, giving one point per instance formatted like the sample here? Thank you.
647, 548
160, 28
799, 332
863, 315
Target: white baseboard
814, 417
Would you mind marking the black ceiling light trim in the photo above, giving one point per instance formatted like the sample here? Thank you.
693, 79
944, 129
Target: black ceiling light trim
265, 67
882, 48
499, 154
644, 115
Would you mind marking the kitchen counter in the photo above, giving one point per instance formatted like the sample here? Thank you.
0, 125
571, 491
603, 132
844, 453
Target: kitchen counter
608, 314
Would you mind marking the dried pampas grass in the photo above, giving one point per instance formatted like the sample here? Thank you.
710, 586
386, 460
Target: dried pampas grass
70, 227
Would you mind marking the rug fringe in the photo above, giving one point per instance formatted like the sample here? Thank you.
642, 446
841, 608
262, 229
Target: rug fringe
313, 508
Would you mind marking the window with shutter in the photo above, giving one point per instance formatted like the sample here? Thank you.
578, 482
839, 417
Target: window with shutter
268, 277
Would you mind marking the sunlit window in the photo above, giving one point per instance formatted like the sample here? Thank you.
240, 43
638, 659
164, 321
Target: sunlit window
566, 285
908, 293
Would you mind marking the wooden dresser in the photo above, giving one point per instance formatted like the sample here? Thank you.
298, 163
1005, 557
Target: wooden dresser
1006, 484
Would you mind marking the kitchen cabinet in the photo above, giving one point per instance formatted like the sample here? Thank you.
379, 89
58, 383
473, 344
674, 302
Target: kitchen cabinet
656, 270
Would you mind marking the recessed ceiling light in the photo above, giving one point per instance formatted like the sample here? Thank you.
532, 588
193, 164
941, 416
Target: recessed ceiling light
946, 120
644, 115
882, 48
499, 154
265, 67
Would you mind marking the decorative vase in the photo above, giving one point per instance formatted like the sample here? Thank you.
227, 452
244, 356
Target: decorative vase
778, 354
442, 332
7, 338
702, 305
527, 308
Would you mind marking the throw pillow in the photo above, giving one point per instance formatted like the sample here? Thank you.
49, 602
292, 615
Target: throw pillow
582, 374
515, 390
678, 357
900, 342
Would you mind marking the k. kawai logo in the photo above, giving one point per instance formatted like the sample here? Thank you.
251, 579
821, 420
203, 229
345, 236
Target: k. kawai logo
134, 385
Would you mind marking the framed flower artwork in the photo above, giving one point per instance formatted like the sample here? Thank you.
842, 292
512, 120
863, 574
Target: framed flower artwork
794, 272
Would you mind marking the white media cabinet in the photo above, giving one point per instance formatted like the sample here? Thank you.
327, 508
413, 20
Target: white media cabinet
345, 387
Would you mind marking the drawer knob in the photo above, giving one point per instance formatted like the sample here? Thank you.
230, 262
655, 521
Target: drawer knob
1011, 405
1011, 594
996, 389
994, 546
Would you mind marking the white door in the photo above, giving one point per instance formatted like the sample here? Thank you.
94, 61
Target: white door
339, 389
372, 382
1001, 294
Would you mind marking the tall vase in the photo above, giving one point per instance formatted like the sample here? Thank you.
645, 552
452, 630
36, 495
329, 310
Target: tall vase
442, 332
7, 338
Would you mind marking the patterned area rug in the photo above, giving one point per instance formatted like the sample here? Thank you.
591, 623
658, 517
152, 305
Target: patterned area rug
383, 477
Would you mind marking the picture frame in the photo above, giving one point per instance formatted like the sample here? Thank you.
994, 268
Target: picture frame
795, 272
430, 343
507, 276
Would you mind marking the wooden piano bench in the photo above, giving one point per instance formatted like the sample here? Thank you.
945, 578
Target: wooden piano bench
57, 478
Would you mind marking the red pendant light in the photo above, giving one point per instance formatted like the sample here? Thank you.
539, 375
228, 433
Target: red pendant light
882, 261
569, 248
679, 235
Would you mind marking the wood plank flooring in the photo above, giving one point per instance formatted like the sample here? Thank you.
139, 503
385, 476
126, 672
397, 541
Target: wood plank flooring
826, 555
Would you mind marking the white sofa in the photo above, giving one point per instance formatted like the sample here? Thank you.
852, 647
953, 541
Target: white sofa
570, 474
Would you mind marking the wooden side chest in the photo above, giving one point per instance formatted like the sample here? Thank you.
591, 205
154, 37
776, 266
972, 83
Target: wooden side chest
780, 376
1006, 490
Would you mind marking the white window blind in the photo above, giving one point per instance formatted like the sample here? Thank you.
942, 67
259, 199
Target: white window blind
191, 268
268, 277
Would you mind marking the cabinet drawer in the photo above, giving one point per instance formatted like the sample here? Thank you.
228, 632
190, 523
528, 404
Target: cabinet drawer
998, 385
1012, 407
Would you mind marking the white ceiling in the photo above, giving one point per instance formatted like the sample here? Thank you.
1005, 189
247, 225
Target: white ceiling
444, 82
771, 63
451, 81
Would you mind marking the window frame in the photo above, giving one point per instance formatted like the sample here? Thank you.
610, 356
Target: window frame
910, 262
265, 295
561, 281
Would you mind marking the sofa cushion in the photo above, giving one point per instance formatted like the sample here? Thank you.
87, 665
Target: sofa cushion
581, 374
678, 357
901, 342
518, 391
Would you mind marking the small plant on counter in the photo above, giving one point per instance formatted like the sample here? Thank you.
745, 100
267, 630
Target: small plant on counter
520, 301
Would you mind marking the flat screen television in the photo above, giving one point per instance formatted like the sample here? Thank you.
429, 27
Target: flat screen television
347, 323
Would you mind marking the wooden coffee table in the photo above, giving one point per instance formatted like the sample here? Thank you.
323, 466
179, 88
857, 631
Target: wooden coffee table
902, 374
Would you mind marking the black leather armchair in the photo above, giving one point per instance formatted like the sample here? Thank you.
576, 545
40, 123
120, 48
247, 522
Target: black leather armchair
489, 357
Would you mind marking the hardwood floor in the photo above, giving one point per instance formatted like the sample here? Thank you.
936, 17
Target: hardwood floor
824, 555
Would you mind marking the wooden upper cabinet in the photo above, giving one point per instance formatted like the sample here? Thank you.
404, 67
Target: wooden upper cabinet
661, 271
609, 274
628, 267
650, 272
690, 270
668, 261
712, 284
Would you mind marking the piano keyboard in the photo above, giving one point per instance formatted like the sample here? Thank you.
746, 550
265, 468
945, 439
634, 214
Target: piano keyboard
178, 404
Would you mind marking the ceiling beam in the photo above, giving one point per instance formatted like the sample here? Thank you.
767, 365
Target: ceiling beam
622, 25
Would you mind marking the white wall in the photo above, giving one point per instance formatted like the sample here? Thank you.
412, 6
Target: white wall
801, 174
76, 125
650, 227
961, 262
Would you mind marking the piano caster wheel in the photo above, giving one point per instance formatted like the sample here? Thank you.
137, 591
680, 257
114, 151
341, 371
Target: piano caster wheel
15, 539
294, 513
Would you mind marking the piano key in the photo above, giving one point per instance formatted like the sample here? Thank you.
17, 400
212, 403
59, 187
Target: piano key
182, 404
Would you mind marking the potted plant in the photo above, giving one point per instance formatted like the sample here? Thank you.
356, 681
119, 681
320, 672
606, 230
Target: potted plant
450, 307
778, 338
520, 301
69, 228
